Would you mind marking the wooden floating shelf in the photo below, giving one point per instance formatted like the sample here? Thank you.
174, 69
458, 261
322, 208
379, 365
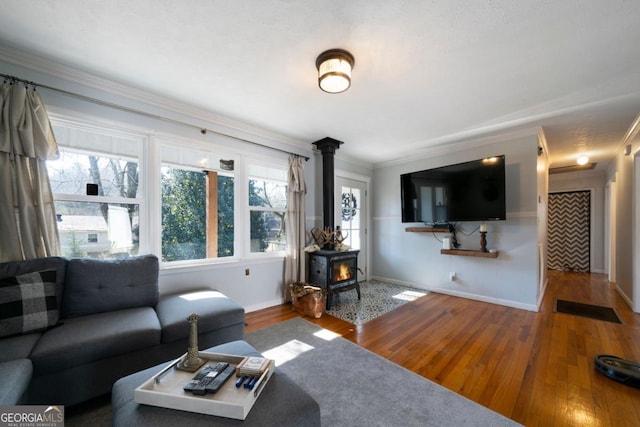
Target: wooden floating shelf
426, 230
469, 252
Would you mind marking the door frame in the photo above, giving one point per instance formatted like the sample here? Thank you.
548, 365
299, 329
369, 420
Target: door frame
340, 173
610, 200
635, 226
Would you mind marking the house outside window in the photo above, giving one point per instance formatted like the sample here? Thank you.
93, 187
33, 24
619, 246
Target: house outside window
96, 190
267, 208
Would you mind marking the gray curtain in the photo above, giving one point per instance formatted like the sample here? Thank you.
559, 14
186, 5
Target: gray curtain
27, 215
294, 267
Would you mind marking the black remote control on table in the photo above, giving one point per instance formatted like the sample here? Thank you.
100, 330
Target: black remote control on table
199, 389
220, 379
195, 381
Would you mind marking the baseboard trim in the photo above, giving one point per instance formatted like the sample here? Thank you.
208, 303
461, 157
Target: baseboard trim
542, 292
482, 298
265, 304
398, 282
624, 296
498, 301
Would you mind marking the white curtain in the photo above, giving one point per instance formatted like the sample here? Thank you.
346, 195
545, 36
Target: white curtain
294, 267
27, 215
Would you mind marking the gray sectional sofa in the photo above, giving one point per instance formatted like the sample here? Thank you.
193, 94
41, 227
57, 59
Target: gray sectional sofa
70, 328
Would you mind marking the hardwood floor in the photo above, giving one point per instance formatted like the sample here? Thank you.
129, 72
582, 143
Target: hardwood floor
535, 368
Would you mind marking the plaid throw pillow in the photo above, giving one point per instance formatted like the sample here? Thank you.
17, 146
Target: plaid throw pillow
28, 303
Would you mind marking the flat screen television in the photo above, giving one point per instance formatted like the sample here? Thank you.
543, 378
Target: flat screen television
470, 191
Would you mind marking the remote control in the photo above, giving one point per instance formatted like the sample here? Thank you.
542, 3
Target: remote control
198, 388
196, 379
220, 379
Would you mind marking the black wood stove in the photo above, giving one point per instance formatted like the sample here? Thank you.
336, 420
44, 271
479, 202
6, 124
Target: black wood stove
334, 271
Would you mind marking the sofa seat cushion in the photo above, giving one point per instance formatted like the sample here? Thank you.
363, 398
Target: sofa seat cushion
98, 286
215, 311
15, 375
87, 339
18, 346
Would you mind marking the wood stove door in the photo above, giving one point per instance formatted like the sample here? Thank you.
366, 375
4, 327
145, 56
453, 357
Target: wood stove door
351, 216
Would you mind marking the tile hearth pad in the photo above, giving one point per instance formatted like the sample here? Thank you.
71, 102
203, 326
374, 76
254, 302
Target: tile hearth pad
378, 298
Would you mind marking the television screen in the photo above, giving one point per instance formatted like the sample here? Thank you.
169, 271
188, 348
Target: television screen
470, 191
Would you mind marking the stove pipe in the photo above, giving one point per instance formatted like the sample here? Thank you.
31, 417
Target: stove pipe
328, 147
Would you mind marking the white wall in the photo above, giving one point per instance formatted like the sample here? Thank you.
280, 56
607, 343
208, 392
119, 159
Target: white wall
590, 181
414, 258
396, 255
263, 287
624, 250
542, 212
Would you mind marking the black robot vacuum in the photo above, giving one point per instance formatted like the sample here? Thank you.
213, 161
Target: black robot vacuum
618, 369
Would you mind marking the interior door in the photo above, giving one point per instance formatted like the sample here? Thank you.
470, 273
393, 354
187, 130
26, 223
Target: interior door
351, 205
569, 229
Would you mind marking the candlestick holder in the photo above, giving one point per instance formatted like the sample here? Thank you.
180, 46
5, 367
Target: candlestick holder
483, 241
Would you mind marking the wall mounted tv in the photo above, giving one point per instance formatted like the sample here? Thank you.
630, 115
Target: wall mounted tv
470, 191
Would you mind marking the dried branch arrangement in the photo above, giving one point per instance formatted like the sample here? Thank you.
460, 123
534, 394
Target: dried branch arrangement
327, 236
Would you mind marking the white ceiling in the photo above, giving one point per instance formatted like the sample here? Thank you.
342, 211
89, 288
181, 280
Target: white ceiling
427, 73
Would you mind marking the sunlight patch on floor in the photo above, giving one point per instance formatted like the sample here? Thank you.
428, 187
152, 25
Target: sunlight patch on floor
287, 351
326, 334
409, 295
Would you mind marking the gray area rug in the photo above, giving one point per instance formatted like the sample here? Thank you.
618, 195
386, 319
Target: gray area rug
355, 387
377, 298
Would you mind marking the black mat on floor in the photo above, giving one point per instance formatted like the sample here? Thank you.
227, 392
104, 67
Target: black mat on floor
597, 312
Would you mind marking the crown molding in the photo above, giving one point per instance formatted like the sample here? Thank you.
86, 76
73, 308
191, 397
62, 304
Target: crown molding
457, 143
631, 132
67, 76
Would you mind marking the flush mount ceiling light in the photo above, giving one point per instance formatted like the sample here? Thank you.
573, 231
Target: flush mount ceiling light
334, 70
582, 160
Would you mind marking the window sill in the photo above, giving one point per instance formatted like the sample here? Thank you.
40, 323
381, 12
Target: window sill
181, 267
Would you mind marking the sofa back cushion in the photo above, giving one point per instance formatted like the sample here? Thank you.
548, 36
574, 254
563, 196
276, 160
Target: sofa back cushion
28, 303
95, 286
18, 268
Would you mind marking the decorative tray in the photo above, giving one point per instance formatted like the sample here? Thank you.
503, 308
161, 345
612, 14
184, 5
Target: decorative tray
165, 389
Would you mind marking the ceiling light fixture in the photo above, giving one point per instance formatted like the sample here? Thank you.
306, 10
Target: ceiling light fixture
583, 160
334, 70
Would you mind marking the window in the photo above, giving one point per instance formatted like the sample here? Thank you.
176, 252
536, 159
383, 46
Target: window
350, 216
96, 192
267, 208
190, 215
197, 191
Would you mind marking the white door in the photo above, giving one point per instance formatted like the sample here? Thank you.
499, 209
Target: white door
351, 217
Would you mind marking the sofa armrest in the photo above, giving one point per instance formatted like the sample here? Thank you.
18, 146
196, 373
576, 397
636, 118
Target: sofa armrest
215, 311
16, 375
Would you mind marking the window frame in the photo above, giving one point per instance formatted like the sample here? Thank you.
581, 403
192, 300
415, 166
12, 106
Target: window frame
276, 164
141, 139
148, 198
177, 143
